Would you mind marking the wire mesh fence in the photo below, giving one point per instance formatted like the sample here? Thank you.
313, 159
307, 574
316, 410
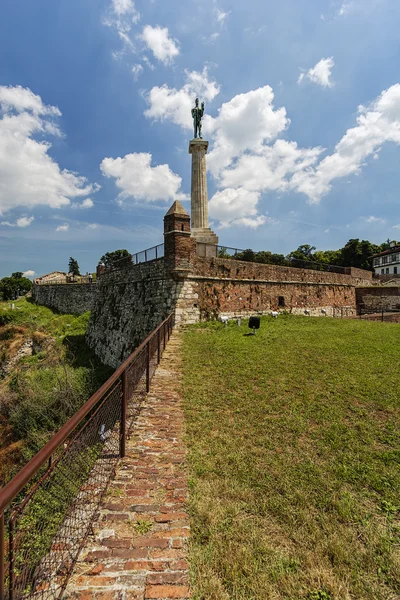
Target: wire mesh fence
47, 509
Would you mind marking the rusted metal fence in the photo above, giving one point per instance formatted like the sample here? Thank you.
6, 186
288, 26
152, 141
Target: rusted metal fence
153, 253
211, 250
379, 313
46, 510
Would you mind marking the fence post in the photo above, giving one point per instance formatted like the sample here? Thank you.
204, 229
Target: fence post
148, 367
2, 557
165, 342
158, 346
156, 252
382, 315
122, 426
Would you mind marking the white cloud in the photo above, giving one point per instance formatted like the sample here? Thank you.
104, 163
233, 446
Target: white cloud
21, 222
344, 9
157, 39
272, 169
137, 179
124, 7
88, 203
235, 206
25, 221
122, 15
29, 273
137, 70
377, 124
64, 227
374, 220
29, 176
92, 226
220, 16
175, 104
244, 123
321, 73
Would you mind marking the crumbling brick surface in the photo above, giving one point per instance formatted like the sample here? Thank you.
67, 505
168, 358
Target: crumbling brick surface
138, 549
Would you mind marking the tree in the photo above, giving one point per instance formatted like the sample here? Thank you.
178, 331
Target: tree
328, 257
111, 259
303, 252
358, 253
73, 267
11, 287
17, 275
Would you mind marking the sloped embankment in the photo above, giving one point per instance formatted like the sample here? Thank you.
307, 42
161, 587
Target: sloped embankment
46, 373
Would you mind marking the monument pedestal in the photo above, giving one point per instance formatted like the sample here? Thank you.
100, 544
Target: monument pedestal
199, 196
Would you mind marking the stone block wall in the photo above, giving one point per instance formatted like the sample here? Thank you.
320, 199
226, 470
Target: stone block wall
378, 298
131, 303
70, 298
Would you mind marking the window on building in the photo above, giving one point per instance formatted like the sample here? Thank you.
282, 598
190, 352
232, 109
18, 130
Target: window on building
393, 258
384, 260
281, 301
387, 271
376, 262
395, 270
382, 271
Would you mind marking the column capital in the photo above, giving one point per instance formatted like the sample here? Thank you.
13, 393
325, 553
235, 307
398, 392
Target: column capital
198, 145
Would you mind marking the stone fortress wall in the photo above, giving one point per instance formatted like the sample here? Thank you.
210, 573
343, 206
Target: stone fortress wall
72, 298
378, 298
131, 303
128, 303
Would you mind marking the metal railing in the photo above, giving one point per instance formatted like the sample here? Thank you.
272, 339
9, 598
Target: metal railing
379, 313
209, 250
153, 253
67, 281
47, 508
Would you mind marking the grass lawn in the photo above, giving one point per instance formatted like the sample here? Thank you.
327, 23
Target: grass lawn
294, 441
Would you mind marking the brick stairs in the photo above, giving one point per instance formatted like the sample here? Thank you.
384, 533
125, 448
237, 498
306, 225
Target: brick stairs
138, 546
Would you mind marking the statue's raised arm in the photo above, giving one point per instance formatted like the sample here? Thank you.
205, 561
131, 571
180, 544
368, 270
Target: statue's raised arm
197, 114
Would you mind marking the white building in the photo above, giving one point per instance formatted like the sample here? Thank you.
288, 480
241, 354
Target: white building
388, 261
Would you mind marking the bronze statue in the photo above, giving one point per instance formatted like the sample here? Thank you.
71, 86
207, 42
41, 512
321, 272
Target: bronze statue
197, 114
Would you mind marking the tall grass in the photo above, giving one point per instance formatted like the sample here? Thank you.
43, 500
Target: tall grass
43, 390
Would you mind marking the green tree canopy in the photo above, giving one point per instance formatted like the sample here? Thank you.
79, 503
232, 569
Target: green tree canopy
303, 252
358, 253
10, 287
110, 259
17, 275
73, 266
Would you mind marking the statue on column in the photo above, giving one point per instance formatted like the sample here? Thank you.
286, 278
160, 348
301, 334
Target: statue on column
197, 114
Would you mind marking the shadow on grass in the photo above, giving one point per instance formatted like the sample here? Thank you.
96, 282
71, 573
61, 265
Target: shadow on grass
80, 355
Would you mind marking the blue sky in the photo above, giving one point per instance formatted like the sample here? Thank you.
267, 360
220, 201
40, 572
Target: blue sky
302, 114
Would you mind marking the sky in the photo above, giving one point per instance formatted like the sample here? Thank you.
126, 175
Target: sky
302, 115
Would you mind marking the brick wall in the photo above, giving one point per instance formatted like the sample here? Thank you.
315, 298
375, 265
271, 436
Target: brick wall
237, 269
70, 298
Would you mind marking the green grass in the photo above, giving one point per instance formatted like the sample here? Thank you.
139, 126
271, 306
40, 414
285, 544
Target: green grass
47, 388
294, 441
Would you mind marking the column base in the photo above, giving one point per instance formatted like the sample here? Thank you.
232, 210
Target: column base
206, 242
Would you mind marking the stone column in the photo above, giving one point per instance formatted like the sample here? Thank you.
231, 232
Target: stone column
206, 239
198, 150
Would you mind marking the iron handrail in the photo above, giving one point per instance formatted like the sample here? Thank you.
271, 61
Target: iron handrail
17, 484
118, 380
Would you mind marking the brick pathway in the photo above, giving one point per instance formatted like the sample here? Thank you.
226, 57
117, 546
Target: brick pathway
138, 547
